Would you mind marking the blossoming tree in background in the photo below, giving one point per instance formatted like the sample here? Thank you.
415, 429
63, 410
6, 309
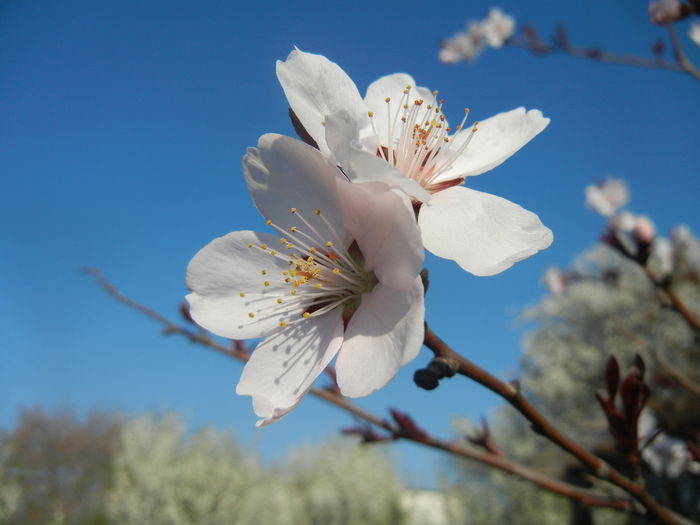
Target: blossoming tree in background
338, 287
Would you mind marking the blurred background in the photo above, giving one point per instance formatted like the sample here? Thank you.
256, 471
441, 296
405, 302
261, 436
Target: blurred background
122, 128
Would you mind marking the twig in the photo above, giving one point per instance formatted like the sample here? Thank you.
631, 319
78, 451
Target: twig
676, 302
683, 60
511, 394
584, 496
542, 48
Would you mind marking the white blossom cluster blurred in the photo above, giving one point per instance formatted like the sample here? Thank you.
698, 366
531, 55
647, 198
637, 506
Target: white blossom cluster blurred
468, 44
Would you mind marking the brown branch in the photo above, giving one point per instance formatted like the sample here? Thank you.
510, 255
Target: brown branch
511, 394
497, 461
676, 302
597, 55
683, 60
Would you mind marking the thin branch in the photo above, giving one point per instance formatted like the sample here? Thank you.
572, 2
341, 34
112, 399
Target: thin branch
542, 48
683, 60
676, 302
239, 351
511, 394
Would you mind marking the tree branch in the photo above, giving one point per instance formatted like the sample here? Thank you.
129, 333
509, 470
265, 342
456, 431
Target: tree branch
511, 394
239, 351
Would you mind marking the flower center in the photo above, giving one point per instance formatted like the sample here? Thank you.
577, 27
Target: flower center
416, 139
322, 274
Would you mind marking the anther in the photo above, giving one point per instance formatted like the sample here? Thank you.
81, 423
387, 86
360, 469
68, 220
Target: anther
293, 210
264, 272
293, 229
279, 300
306, 315
336, 271
387, 99
242, 294
268, 222
250, 245
329, 244
317, 211
293, 292
251, 315
370, 114
263, 246
283, 324
267, 283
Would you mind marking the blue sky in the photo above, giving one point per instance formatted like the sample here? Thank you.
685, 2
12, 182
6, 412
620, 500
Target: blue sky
122, 127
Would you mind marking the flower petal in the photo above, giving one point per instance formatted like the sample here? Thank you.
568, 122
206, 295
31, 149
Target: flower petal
283, 172
496, 139
316, 87
483, 233
385, 333
383, 224
284, 366
393, 87
226, 268
342, 137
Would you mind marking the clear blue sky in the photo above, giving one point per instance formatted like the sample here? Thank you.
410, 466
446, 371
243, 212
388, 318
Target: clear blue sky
122, 127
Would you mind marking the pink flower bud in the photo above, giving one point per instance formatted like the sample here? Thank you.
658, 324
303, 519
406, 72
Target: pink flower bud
644, 230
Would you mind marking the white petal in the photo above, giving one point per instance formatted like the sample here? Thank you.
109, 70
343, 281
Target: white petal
282, 173
383, 224
483, 233
316, 87
224, 269
496, 139
385, 333
342, 136
392, 86
284, 366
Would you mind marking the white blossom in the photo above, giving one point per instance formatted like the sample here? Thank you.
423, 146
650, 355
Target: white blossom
665, 455
340, 277
467, 45
497, 28
694, 32
607, 197
399, 135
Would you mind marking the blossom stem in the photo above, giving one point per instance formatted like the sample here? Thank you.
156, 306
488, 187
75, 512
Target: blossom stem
510, 393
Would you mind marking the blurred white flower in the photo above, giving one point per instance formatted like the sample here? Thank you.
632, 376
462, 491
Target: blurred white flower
664, 11
665, 455
464, 45
399, 135
685, 243
554, 281
467, 45
607, 197
497, 28
694, 32
662, 256
342, 277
